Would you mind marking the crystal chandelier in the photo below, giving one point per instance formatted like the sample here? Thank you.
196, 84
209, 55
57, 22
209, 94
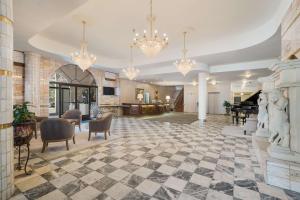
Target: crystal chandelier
150, 43
131, 72
82, 58
185, 64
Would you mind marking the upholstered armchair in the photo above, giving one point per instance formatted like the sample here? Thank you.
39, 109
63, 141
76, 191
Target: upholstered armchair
56, 130
37, 123
75, 115
101, 125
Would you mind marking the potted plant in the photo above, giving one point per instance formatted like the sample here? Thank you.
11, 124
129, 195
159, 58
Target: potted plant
227, 106
24, 120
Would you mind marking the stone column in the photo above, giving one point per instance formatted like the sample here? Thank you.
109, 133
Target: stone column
6, 107
287, 77
283, 160
202, 96
32, 81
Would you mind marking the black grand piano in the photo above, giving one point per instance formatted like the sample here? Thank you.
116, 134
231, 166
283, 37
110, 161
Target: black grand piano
242, 110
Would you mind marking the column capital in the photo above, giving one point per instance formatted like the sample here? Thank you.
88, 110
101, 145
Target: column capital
286, 73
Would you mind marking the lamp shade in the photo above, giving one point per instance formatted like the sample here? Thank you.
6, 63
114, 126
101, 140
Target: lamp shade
140, 96
168, 98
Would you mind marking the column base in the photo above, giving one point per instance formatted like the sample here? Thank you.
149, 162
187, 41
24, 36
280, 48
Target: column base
262, 133
277, 172
283, 153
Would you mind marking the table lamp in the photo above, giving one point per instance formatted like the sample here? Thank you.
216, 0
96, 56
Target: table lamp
168, 98
140, 97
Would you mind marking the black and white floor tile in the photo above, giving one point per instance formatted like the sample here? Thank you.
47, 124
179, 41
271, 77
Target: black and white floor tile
157, 161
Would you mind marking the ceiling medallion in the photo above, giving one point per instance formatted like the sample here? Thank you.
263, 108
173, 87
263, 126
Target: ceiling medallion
185, 65
82, 58
131, 72
150, 43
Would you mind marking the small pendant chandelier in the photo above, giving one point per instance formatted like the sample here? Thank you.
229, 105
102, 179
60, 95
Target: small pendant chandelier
185, 65
150, 44
131, 72
82, 58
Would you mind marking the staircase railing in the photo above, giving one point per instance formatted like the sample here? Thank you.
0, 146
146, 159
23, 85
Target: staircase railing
178, 103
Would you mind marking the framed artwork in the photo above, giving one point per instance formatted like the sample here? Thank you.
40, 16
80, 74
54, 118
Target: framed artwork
139, 91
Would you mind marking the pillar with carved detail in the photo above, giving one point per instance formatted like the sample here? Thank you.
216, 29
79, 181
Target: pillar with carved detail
32, 81
287, 78
202, 96
6, 107
284, 127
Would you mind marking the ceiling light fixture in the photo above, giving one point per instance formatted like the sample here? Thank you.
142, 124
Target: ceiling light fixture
82, 58
150, 44
248, 75
213, 82
131, 72
185, 64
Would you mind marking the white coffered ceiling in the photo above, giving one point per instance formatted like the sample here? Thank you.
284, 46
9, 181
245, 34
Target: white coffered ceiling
221, 32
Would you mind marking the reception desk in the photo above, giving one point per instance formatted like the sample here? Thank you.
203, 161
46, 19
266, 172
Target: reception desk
144, 109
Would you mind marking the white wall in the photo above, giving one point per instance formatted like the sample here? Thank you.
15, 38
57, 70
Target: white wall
190, 98
225, 94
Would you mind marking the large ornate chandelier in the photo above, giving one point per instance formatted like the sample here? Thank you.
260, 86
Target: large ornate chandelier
185, 64
82, 58
150, 43
131, 72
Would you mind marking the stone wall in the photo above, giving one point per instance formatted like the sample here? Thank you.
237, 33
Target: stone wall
18, 77
6, 100
291, 32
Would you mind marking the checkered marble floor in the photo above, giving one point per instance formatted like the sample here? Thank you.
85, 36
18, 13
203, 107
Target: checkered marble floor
153, 160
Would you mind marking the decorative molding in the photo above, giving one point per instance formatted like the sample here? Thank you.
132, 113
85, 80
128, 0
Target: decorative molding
5, 126
4, 72
6, 20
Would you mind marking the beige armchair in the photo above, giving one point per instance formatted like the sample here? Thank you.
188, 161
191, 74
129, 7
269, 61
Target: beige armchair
37, 123
100, 125
56, 130
75, 115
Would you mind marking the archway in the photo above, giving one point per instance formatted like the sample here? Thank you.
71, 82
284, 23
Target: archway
71, 88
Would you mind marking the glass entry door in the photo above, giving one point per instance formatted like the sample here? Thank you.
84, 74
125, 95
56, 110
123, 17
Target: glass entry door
70, 97
68, 100
83, 100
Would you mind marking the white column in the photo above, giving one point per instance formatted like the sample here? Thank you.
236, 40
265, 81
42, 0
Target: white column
32, 81
6, 107
202, 96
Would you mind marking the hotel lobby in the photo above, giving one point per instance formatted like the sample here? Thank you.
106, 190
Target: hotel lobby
149, 99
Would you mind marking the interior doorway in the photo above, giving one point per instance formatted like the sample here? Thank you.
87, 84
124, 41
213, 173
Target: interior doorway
213, 103
71, 88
